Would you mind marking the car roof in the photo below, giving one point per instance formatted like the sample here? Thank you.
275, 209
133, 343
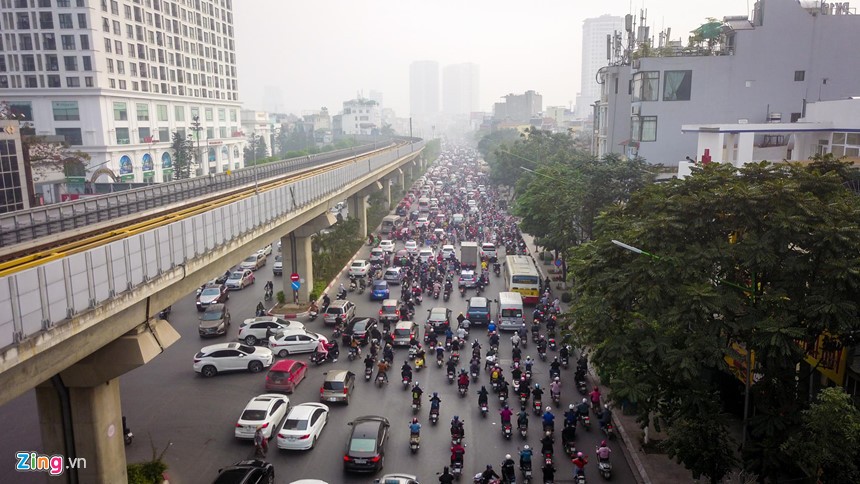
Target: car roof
284, 365
404, 324
262, 402
368, 426
338, 303
439, 310
219, 346
390, 302
216, 308
303, 411
336, 375
359, 261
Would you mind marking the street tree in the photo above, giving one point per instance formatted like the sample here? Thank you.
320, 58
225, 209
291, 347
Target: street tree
255, 149
827, 445
763, 256
703, 443
183, 156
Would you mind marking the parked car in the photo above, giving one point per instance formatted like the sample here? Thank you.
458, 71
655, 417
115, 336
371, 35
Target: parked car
253, 262
342, 308
278, 266
379, 290
240, 279
359, 268
365, 449
392, 275
285, 375
246, 472
254, 330
214, 321
224, 357
338, 386
387, 245
303, 426
359, 328
398, 479
267, 410
292, 341
212, 294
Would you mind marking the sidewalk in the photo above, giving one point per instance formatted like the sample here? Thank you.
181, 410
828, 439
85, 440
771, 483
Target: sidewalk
650, 468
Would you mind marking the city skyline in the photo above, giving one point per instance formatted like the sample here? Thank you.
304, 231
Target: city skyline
544, 55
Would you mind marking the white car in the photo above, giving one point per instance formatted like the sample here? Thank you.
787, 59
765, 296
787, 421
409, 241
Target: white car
303, 426
292, 341
488, 250
447, 250
240, 279
411, 247
255, 330
387, 245
267, 410
421, 222
253, 262
376, 255
211, 360
359, 268
399, 479
426, 255
267, 250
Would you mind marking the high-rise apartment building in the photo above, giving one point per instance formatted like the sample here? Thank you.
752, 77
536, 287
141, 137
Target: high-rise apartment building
424, 89
460, 95
594, 32
117, 78
519, 108
14, 188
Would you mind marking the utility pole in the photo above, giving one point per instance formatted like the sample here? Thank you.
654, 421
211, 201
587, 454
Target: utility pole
195, 126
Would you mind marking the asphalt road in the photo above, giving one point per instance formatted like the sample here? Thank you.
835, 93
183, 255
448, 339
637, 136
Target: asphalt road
167, 404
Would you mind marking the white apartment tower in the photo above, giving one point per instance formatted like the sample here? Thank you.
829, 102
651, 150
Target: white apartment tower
594, 32
460, 89
118, 77
424, 89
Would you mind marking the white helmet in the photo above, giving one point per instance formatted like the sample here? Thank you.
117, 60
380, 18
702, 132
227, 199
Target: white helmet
507, 456
526, 447
584, 400
570, 407
548, 409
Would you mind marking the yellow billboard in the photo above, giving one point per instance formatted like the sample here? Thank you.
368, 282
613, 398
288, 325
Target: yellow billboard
827, 355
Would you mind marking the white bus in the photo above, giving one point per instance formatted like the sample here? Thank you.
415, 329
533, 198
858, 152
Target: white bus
522, 276
511, 311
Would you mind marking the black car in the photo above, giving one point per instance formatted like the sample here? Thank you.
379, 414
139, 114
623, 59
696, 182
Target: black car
361, 327
247, 472
413, 215
365, 449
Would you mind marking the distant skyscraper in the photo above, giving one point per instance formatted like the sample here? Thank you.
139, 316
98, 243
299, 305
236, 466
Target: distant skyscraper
424, 89
594, 32
376, 96
460, 88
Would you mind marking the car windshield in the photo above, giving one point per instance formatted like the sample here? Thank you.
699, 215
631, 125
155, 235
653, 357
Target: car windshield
253, 258
247, 349
360, 325
333, 385
236, 275
401, 332
211, 291
293, 424
512, 313
358, 264
253, 415
362, 445
212, 315
278, 258
380, 287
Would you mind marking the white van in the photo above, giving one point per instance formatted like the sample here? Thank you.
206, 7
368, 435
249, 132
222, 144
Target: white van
389, 223
424, 204
510, 315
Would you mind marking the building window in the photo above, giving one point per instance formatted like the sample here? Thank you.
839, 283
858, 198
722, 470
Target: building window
122, 84
222, 132
110, 66
72, 135
31, 82
120, 67
46, 20
88, 81
82, 20
162, 112
52, 63
799, 76
222, 115
73, 82
795, 117
845, 144
646, 86
87, 63
163, 134
643, 128
143, 134
68, 42
54, 81
122, 136
120, 112
71, 62
209, 114
29, 62
210, 133
21, 109
108, 46
63, 3
85, 42
65, 111
11, 194
677, 85
65, 21
142, 112
179, 113
49, 42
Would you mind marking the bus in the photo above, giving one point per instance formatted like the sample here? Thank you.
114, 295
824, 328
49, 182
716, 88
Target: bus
521, 275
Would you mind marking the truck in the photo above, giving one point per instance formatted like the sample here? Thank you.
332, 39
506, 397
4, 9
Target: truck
469, 256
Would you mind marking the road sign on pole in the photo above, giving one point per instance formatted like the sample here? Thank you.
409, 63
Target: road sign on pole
294, 277
296, 285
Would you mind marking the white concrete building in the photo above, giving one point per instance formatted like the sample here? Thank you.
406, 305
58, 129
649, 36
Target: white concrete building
118, 77
361, 116
257, 122
594, 32
460, 91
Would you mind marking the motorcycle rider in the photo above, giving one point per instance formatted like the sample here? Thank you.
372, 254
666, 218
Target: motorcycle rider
463, 379
503, 386
548, 473
435, 401
416, 393
595, 398
564, 352
516, 353
268, 288
491, 327
368, 362
516, 373
446, 477
382, 366
261, 310
456, 426
555, 388
488, 475
555, 368
482, 396
474, 366
603, 452
515, 340
451, 367
546, 445
537, 393
570, 416
508, 466
605, 417
506, 414
582, 408
529, 363
388, 353
523, 419
580, 462
414, 428
526, 457
405, 370
548, 418
457, 453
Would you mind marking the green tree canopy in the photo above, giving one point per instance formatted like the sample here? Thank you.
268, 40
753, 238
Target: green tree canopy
765, 255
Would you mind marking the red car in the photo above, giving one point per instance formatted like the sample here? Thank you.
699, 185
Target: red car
285, 375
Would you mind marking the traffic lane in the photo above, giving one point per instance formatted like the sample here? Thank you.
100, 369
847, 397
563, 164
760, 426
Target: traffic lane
20, 419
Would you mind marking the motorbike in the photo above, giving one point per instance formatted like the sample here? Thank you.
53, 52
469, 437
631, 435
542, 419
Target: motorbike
463, 389
497, 269
524, 430
547, 459
582, 387
580, 479
484, 409
165, 313
317, 358
604, 467
450, 376
407, 380
506, 430
352, 284
526, 469
462, 291
268, 294
457, 469
312, 315
553, 346
556, 399
586, 421
609, 431
474, 376
440, 360
413, 352
455, 357
362, 285
419, 364
535, 333
414, 442
380, 379
523, 400
435, 293
353, 353
537, 406
341, 295
127, 436
479, 289
368, 373
416, 405
434, 415
542, 354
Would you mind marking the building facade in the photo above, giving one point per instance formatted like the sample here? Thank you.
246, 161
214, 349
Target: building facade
361, 116
14, 186
460, 89
763, 69
424, 89
519, 108
117, 78
594, 56
257, 123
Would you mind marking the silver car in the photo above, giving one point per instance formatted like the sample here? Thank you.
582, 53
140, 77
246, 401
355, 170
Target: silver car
214, 321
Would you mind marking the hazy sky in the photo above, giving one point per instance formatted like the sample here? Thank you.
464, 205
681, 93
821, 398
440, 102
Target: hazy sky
322, 52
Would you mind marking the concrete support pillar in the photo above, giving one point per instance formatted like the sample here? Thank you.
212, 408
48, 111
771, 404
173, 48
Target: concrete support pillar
402, 178
298, 258
386, 185
358, 209
714, 143
746, 143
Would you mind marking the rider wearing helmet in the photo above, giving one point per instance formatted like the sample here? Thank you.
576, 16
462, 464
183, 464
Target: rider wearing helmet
435, 401
580, 462
526, 457
414, 427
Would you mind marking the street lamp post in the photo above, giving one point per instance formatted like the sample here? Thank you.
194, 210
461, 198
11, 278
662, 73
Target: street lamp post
751, 291
197, 128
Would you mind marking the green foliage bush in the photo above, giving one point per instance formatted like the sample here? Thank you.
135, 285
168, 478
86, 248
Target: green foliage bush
566, 297
282, 298
146, 472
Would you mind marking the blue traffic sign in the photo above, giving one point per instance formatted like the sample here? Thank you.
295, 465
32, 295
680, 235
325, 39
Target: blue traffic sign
296, 285
558, 262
